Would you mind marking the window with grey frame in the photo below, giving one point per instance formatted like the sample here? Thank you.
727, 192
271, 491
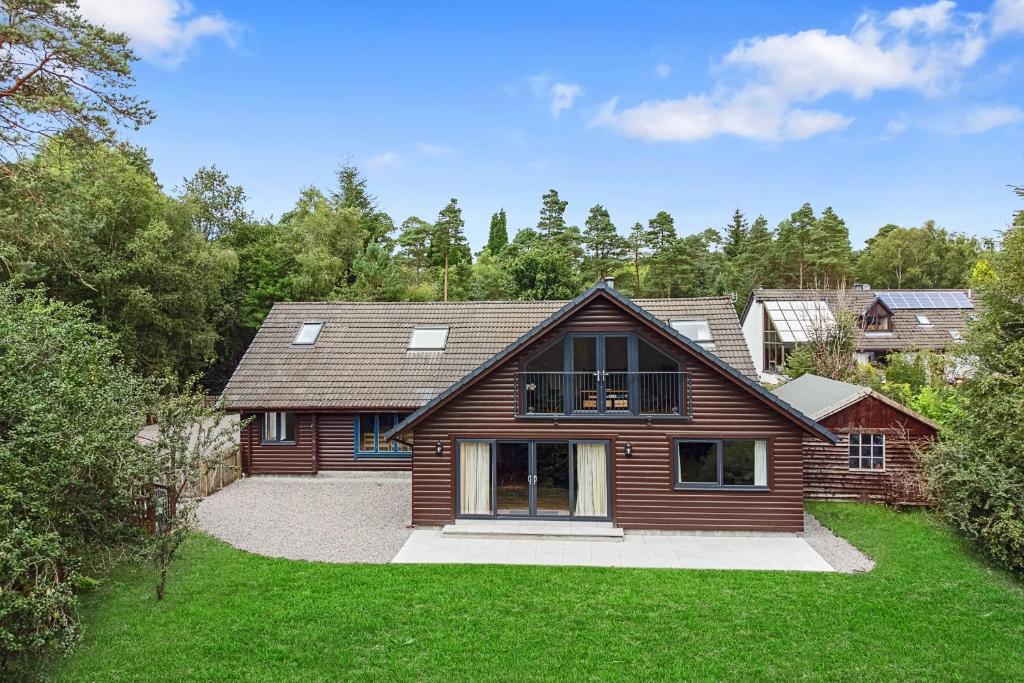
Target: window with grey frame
278, 427
721, 463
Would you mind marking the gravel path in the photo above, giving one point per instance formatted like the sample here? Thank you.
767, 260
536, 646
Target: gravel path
837, 551
328, 519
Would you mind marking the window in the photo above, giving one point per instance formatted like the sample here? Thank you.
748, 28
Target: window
867, 451
279, 428
428, 339
308, 333
923, 320
370, 439
697, 330
727, 463
876, 323
774, 347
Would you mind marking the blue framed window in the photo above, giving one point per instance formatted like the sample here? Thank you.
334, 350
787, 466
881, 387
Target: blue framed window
369, 436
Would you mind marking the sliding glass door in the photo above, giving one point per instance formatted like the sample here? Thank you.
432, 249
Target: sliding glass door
543, 479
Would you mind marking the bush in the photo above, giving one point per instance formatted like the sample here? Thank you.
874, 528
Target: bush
70, 460
977, 470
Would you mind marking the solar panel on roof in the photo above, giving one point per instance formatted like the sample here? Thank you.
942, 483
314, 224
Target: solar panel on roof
897, 300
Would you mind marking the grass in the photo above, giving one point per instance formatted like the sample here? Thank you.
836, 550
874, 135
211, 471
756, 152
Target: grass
929, 611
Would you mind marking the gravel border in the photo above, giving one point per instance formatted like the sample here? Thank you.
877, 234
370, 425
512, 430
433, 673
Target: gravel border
838, 552
326, 519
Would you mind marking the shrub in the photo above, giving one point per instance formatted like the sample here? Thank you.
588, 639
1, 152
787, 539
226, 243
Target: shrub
70, 412
977, 470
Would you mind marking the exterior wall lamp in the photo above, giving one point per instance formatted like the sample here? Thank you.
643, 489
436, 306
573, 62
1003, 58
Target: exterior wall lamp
629, 450
438, 449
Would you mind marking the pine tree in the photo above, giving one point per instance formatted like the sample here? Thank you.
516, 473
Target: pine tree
552, 215
661, 231
498, 236
794, 235
378, 277
602, 244
448, 242
735, 234
661, 237
414, 245
638, 251
829, 250
352, 193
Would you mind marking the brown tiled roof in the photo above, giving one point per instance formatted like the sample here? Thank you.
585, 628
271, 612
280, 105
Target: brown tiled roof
907, 333
361, 359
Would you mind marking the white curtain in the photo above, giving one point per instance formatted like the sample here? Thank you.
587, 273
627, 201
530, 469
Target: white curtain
760, 463
475, 478
591, 480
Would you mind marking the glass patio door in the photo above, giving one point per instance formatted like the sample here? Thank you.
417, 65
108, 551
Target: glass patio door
544, 479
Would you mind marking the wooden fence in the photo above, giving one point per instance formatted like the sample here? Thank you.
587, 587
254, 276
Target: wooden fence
215, 479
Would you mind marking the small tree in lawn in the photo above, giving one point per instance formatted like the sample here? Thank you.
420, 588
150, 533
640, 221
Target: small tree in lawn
193, 438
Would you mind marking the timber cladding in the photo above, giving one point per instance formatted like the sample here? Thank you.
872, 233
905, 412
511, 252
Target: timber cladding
324, 442
827, 474
643, 491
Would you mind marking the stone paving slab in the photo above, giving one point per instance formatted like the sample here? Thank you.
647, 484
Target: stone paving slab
431, 546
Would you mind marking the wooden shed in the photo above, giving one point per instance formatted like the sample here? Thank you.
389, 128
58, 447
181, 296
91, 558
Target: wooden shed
877, 455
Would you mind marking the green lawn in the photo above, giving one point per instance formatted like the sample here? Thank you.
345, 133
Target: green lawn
928, 611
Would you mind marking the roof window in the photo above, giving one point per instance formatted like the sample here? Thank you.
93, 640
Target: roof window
695, 329
923, 320
428, 339
308, 333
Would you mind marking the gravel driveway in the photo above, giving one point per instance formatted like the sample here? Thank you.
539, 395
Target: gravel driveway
356, 518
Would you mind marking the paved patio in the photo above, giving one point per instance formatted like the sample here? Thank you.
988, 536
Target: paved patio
634, 550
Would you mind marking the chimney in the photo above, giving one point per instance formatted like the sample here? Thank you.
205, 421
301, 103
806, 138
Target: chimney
609, 282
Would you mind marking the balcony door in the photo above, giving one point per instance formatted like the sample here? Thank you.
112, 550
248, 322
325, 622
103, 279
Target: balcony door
598, 380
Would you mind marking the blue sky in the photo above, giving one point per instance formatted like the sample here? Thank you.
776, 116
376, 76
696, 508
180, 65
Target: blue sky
889, 112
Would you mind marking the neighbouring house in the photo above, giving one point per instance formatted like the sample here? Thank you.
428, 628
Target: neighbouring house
774, 321
876, 457
644, 413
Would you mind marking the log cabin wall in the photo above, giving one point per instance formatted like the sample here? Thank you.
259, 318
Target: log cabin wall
643, 489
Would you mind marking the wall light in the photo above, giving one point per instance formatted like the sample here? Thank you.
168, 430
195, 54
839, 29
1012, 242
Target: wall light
629, 450
439, 449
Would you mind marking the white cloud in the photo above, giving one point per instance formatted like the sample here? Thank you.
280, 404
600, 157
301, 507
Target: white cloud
895, 128
928, 18
983, 119
382, 161
765, 84
559, 95
1007, 16
434, 151
662, 70
160, 30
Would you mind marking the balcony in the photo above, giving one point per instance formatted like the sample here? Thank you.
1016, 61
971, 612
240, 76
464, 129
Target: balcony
606, 394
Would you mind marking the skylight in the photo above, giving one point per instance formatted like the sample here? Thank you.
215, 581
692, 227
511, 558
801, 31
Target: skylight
797, 321
923, 320
695, 329
308, 333
428, 339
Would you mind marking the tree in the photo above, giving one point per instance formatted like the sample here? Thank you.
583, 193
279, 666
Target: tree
378, 277
977, 469
193, 437
448, 243
214, 205
792, 244
828, 351
414, 246
753, 267
735, 235
497, 238
352, 194
70, 463
602, 244
489, 281
105, 234
59, 73
661, 235
829, 250
322, 238
918, 258
552, 226
638, 252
